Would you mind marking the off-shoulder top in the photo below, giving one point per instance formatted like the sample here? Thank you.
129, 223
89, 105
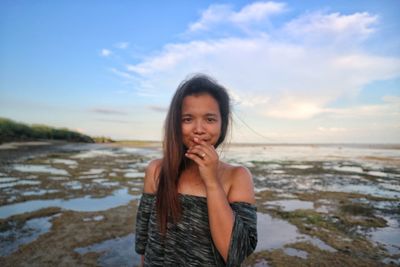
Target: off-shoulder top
189, 242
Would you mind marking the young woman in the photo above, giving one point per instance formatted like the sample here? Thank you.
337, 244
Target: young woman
195, 209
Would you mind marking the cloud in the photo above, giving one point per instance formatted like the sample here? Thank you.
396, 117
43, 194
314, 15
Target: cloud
161, 109
319, 26
105, 52
389, 108
219, 13
279, 74
332, 129
122, 45
108, 111
293, 80
257, 11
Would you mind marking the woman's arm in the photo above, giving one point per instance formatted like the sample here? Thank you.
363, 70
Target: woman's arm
144, 209
220, 213
221, 216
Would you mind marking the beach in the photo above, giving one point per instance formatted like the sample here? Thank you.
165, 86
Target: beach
74, 204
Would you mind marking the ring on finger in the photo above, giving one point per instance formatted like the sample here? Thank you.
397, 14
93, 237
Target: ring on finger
203, 155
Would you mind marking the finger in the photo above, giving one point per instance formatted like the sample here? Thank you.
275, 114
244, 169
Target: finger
196, 158
198, 151
204, 144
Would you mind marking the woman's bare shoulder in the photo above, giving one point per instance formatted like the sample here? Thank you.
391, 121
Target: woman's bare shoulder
151, 175
241, 184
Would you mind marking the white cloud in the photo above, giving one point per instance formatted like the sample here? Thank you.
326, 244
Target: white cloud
105, 52
214, 14
122, 74
253, 12
294, 81
332, 129
257, 11
291, 73
122, 45
335, 27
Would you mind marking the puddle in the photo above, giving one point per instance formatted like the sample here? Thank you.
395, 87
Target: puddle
89, 177
7, 179
95, 153
110, 184
39, 192
75, 185
94, 218
296, 253
118, 198
300, 166
367, 189
275, 233
291, 204
114, 252
134, 175
388, 236
11, 240
348, 169
261, 263
93, 171
58, 178
68, 162
377, 173
39, 168
19, 182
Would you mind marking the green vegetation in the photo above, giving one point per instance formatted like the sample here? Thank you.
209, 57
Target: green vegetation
16, 131
102, 139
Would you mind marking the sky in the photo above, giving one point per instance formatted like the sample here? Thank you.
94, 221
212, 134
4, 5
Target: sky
297, 71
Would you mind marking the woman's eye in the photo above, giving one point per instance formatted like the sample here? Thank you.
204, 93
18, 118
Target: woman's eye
211, 119
186, 119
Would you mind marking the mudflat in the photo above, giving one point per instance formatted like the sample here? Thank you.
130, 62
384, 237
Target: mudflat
72, 204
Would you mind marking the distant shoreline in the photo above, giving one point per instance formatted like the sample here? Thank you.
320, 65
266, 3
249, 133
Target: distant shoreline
152, 144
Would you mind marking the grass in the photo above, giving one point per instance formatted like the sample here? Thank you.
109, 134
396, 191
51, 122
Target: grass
15, 131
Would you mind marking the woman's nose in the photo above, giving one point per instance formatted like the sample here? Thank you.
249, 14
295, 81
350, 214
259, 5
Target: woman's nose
199, 128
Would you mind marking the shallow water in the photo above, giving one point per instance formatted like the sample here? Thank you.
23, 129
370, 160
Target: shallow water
286, 171
291, 204
388, 236
39, 168
114, 252
274, 233
13, 238
118, 198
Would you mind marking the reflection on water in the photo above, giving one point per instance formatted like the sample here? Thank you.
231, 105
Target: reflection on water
388, 236
296, 252
281, 174
13, 238
114, 252
275, 233
19, 182
291, 204
118, 198
39, 168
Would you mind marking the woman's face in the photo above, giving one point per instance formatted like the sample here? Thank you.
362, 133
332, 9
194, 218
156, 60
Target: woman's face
200, 118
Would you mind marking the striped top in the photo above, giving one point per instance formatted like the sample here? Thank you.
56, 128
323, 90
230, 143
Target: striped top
189, 242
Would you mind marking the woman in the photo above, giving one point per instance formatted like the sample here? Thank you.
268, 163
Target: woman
196, 210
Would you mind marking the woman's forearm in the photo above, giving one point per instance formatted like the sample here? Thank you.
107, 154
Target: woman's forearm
221, 218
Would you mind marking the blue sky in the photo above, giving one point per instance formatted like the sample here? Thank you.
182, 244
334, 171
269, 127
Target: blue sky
298, 71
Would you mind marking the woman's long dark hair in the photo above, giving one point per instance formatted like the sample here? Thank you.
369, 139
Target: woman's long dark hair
174, 160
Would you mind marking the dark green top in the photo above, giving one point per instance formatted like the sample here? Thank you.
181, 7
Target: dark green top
189, 242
